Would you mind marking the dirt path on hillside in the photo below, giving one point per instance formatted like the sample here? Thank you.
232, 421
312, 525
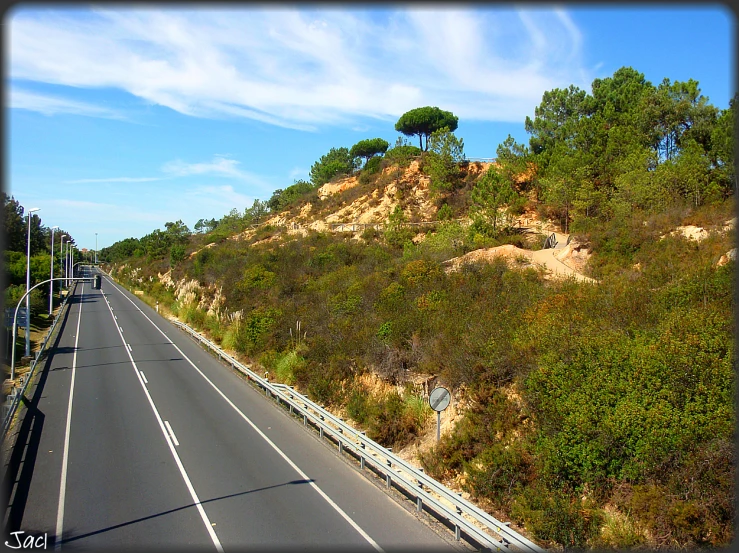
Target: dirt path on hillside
553, 260
549, 260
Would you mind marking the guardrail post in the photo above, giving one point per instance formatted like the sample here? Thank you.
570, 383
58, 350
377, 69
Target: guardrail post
341, 446
320, 431
388, 480
419, 504
305, 420
457, 532
361, 462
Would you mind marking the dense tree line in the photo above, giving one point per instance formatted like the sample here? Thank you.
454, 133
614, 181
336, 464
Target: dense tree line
15, 249
627, 145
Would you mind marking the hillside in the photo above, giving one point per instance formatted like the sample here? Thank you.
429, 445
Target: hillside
593, 381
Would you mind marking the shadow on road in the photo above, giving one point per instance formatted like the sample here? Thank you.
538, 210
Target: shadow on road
69, 539
124, 362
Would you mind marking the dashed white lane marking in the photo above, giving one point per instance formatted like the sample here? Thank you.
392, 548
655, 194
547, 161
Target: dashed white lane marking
144, 377
129, 347
171, 433
178, 461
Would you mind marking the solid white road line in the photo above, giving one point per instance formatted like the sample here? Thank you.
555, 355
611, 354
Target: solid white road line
171, 433
144, 377
183, 472
270, 442
65, 457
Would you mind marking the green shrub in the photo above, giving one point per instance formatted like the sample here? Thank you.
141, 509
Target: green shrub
391, 425
418, 409
500, 472
359, 405
557, 517
372, 166
285, 366
444, 213
402, 154
176, 254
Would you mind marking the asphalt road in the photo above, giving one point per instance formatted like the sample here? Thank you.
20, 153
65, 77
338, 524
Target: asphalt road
136, 437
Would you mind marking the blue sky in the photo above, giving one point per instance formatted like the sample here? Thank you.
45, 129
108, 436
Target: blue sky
120, 118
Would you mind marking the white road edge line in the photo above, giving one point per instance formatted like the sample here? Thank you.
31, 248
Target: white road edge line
270, 442
65, 457
171, 433
183, 472
144, 377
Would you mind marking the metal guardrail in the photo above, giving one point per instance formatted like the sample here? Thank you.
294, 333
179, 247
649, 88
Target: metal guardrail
465, 516
12, 401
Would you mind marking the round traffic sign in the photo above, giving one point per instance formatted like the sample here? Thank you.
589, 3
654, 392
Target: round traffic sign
439, 398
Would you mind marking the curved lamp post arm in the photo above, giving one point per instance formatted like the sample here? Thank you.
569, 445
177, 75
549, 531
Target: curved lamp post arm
15, 316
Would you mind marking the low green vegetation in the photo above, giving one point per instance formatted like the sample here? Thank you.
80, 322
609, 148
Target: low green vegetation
600, 415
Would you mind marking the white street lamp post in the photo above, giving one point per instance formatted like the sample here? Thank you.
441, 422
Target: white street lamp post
51, 284
15, 319
66, 260
28, 285
61, 259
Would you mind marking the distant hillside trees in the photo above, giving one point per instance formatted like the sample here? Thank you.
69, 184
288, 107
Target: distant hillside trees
15, 251
16, 229
205, 225
446, 153
257, 212
123, 249
626, 146
282, 198
338, 161
369, 148
424, 121
402, 152
493, 198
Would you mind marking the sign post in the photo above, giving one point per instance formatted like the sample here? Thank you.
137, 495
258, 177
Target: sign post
439, 399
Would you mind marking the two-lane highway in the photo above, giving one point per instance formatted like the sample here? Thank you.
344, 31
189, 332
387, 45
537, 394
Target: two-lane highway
137, 437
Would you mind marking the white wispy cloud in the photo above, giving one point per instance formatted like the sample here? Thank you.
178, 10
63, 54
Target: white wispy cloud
219, 166
114, 179
50, 105
218, 199
85, 205
298, 172
305, 68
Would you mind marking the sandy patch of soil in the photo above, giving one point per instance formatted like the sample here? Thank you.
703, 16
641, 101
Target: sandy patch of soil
335, 187
574, 255
508, 251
